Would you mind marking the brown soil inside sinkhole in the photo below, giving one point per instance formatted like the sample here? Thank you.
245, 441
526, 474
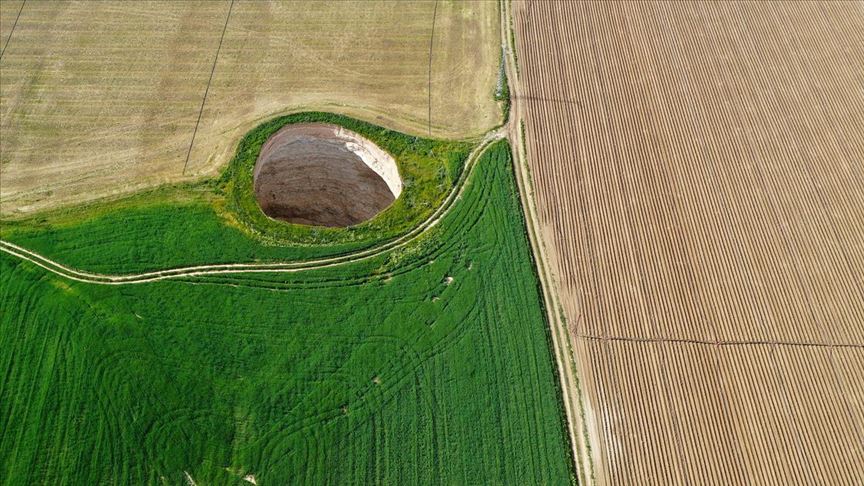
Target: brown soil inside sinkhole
324, 175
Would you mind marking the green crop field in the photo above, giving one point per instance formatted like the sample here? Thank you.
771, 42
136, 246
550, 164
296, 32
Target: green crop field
426, 364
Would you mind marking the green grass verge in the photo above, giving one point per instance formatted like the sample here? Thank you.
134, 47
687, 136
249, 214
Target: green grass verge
424, 365
152, 230
428, 169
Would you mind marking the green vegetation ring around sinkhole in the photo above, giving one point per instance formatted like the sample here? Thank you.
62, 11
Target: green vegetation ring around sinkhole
149, 230
428, 168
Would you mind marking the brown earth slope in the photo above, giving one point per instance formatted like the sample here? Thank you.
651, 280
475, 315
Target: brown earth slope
699, 175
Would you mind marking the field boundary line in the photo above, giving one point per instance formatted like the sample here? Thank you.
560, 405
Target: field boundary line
207, 89
431, 46
704, 342
271, 267
14, 24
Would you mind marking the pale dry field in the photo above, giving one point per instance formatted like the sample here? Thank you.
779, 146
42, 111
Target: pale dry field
8, 14
699, 175
103, 98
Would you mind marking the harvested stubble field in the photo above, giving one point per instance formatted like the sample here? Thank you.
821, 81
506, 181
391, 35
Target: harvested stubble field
699, 178
427, 364
107, 98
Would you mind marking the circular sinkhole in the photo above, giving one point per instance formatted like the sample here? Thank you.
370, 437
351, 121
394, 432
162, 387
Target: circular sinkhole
321, 174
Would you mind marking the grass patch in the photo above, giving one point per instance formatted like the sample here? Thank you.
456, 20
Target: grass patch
502, 95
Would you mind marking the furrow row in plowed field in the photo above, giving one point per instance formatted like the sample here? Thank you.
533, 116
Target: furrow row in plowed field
697, 171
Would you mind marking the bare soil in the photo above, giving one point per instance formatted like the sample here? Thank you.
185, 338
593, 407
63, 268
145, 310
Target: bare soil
697, 173
323, 175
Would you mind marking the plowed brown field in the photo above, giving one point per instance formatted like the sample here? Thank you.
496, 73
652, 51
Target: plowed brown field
698, 170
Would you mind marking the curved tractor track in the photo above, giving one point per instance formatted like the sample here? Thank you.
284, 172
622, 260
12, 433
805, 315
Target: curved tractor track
275, 267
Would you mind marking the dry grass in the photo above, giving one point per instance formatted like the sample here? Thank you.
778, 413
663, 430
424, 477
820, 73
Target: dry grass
365, 59
8, 15
103, 98
699, 179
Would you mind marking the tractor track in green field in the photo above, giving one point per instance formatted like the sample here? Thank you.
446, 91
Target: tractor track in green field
272, 267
